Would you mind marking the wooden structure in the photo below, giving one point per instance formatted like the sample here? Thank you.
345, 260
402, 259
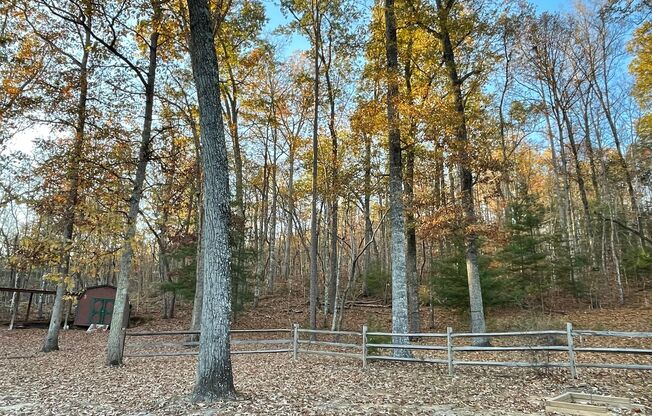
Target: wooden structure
18, 292
279, 344
363, 345
582, 404
95, 306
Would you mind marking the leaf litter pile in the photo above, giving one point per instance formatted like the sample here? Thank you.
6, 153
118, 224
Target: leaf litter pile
75, 380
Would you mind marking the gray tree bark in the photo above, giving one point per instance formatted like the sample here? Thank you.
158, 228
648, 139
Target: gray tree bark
334, 185
195, 322
411, 254
287, 259
15, 297
367, 209
397, 218
121, 307
51, 342
271, 277
315, 147
602, 73
214, 375
466, 180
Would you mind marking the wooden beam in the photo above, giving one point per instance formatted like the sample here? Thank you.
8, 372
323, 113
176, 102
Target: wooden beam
20, 290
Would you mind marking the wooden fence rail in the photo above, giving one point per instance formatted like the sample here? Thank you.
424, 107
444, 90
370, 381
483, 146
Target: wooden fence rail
357, 345
185, 344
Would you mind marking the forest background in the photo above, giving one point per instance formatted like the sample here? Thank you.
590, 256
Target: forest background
526, 135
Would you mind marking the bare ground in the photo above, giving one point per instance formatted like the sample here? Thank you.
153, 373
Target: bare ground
75, 380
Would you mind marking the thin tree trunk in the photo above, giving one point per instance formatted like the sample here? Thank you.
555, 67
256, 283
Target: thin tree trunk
164, 275
334, 197
15, 298
589, 148
466, 185
355, 257
289, 235
505, 182
315, 143
411, 254
121, 306
605, 103
272, 229
195, 322
52, 338
582, 187
263, 255
259, 244
367, 209
614, 254
41, 301
570, 229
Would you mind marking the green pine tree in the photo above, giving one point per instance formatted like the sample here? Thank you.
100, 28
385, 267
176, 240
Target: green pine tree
524, 257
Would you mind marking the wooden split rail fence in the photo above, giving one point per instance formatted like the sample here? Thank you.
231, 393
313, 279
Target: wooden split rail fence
366, 347
187, 342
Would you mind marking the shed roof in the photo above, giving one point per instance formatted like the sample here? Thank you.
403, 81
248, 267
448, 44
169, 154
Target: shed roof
81, 292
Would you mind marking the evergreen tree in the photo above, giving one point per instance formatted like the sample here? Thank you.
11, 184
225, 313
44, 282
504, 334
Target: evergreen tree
524, 256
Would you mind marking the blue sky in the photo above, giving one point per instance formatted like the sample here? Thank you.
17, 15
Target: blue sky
23, 141
552, 5
295, 42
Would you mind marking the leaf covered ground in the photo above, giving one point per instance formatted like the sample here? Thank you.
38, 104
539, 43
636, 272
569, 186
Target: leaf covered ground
75, 380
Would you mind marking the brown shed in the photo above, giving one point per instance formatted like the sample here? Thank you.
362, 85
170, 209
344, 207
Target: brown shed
95, 306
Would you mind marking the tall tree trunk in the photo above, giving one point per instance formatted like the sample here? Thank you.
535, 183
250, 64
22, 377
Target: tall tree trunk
601, 89
582, 187
397, 219
411, 254
568, 229
164, 275
558, 194
258, 243
263, 255
315, 145
121, 306
239, 218
287, 256
272, 229
334, 197
586, 103
614, 255
214, 375
195, 322
466, 182
505, 180
73, 177
367, 209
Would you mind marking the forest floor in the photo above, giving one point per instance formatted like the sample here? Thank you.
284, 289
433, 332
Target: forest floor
75, 380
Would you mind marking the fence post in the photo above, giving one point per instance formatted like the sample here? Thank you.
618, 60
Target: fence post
571, 351
449, 345
364, 346
295, 341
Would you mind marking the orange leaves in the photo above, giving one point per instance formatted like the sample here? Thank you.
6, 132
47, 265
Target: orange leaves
10, 87
443, 223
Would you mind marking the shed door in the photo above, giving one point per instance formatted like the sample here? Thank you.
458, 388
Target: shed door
101, 311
